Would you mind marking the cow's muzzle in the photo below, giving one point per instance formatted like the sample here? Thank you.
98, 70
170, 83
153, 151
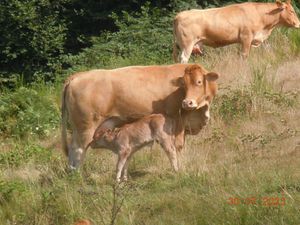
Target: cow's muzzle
189, 104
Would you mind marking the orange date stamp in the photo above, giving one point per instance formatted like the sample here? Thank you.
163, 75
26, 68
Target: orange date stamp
266, 201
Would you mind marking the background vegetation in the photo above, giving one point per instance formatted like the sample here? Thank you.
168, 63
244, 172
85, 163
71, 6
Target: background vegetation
250, 149
41, 39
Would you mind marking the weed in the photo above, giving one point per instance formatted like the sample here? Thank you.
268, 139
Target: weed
294, 37
23, 154
8, 189
235, 104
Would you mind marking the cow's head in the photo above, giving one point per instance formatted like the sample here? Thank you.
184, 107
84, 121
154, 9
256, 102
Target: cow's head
200, 87
288, 16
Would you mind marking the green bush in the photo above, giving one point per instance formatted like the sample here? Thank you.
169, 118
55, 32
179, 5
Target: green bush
40, 38
32, 37
144, 37
26, 112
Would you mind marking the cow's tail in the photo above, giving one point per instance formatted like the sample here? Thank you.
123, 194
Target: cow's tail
64, 120
175, 46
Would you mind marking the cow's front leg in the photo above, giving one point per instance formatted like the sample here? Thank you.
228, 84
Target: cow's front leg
246, 40
179, 135
179, 142
246, 46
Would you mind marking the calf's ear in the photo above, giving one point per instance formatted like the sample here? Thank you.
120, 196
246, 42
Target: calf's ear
211, 76
109, 135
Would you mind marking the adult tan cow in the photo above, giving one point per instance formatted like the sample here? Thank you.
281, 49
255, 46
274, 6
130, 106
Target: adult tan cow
130, 93
249, 24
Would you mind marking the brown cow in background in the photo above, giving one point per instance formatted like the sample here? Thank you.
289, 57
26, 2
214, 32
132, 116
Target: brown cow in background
249, 24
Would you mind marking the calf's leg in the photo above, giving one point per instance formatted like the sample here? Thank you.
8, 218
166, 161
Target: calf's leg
125, 169
123, 156
170, 150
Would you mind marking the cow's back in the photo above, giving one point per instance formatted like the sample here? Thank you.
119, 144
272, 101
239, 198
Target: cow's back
129, 92
218, 26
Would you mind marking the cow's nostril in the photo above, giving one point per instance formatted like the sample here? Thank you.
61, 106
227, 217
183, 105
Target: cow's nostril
187, 103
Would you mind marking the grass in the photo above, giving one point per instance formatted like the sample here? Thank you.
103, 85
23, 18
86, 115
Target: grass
243, 168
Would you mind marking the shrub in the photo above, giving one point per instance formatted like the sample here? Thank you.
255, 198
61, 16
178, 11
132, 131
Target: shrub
144, 37
32, 37
25, 112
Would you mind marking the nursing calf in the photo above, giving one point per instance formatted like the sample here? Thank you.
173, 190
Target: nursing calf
131, 137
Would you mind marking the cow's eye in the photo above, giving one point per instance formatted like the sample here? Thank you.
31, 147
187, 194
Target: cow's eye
199, 82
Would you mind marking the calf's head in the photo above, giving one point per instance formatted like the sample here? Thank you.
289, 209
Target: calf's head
288, 16
200, 87
102, 138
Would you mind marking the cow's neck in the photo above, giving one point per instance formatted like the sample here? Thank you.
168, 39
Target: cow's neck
270, 16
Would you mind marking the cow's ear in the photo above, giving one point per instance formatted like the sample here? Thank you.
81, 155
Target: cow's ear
178, 82
280, 4
212, 76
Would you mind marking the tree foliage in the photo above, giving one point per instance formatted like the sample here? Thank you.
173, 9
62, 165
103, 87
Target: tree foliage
32, 36
40, 38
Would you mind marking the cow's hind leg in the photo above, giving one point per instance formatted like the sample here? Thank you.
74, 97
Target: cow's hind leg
79, 142
186, 53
